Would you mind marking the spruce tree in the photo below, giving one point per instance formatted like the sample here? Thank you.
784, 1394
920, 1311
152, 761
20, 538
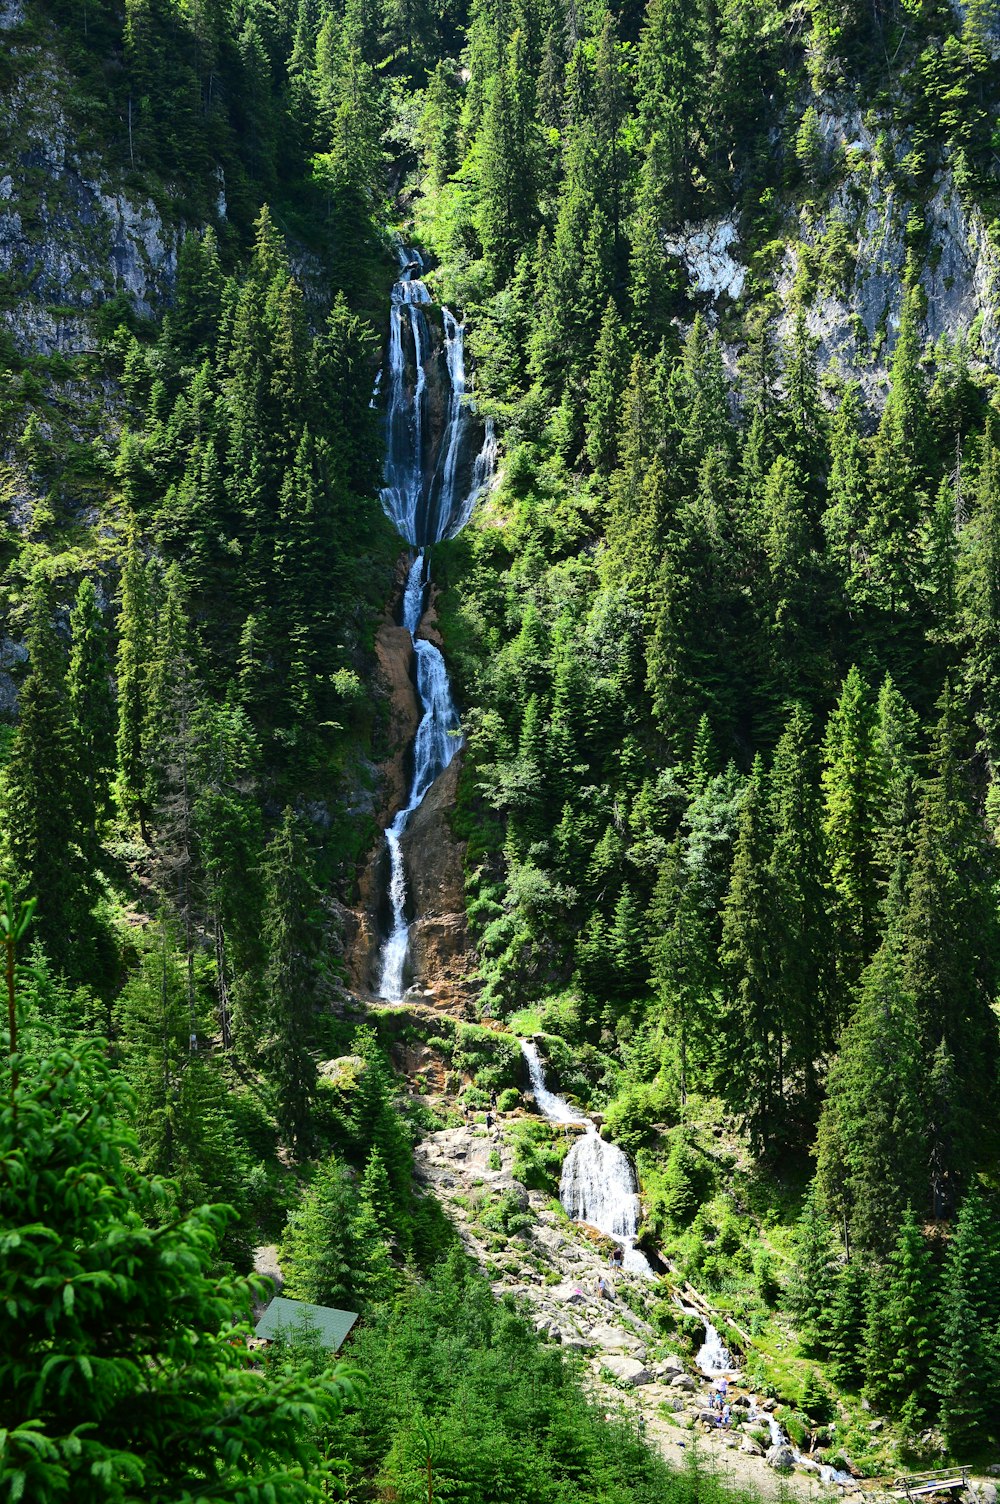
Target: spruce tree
318, 1248
896, 739
754, 1035
948, 947
965, 1374
132, 669
376, 1278
847, 1326
508, 169
852, 799
292, 936
908, 1329
811, 1292
847, 500
606, 391
804, 937
979, 596
92, 712
870, 1158
892, 536
41, 830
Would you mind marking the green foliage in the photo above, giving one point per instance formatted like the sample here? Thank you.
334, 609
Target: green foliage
811, 1290
538, 1155
123, 1366
43, 834
510, 1420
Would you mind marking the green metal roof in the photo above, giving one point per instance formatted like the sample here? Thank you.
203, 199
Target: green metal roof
283, 1318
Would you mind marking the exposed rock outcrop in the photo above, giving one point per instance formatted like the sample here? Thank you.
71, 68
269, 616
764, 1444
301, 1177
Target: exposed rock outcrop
394, 657
440, 954
552, 1270
69, 236
845, 253
439, 936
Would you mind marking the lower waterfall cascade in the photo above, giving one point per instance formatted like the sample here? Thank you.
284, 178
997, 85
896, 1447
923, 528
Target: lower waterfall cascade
431, 485
598, 1184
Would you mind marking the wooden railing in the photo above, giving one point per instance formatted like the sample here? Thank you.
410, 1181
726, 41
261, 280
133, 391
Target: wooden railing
938, 1481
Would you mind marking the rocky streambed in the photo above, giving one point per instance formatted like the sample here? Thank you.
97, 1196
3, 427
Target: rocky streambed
552, 1268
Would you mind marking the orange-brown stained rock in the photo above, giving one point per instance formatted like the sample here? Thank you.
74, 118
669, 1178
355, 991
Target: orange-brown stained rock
394, 651
428, 628
439, 937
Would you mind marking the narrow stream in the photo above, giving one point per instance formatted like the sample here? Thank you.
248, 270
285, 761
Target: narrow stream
433, 477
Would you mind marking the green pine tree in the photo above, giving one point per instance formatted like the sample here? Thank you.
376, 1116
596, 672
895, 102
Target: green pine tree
41, 830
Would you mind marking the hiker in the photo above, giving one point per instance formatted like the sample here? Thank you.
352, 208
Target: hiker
489, 1122
724, 1386
616, 1257
726, 1414
603, 1291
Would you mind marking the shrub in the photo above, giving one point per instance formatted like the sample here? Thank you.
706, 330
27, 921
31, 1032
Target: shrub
504, 1215
538, 1156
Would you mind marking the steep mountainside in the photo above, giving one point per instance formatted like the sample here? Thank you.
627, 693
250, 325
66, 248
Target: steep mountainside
500, 573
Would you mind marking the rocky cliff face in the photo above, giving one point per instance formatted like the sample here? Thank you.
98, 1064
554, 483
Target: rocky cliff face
842, 256
70, 236
439, 936
440, 949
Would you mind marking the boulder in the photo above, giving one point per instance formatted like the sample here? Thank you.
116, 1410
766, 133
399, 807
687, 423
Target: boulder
987, 1493
671, 1364
627, 1370
518, 1193
751, 1448
611, 1339
569, 1295
781, 1458
683, 1381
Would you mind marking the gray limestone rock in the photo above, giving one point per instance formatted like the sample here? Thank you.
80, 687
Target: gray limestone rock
613, 1340
627, 1370
781, 1458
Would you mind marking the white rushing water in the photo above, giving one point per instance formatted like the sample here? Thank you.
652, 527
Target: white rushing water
428, 499
713, 1357
598, 1184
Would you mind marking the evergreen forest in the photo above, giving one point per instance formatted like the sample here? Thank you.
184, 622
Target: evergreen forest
670, 753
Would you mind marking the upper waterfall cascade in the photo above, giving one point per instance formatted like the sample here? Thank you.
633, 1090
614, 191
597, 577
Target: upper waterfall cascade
598, 1184
433, 478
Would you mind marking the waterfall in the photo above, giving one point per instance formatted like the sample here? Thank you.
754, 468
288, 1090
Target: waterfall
779, 1438
713, 1355
427, 502
598, 1184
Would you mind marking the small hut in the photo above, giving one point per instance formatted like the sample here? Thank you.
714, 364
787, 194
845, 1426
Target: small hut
286, 1319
